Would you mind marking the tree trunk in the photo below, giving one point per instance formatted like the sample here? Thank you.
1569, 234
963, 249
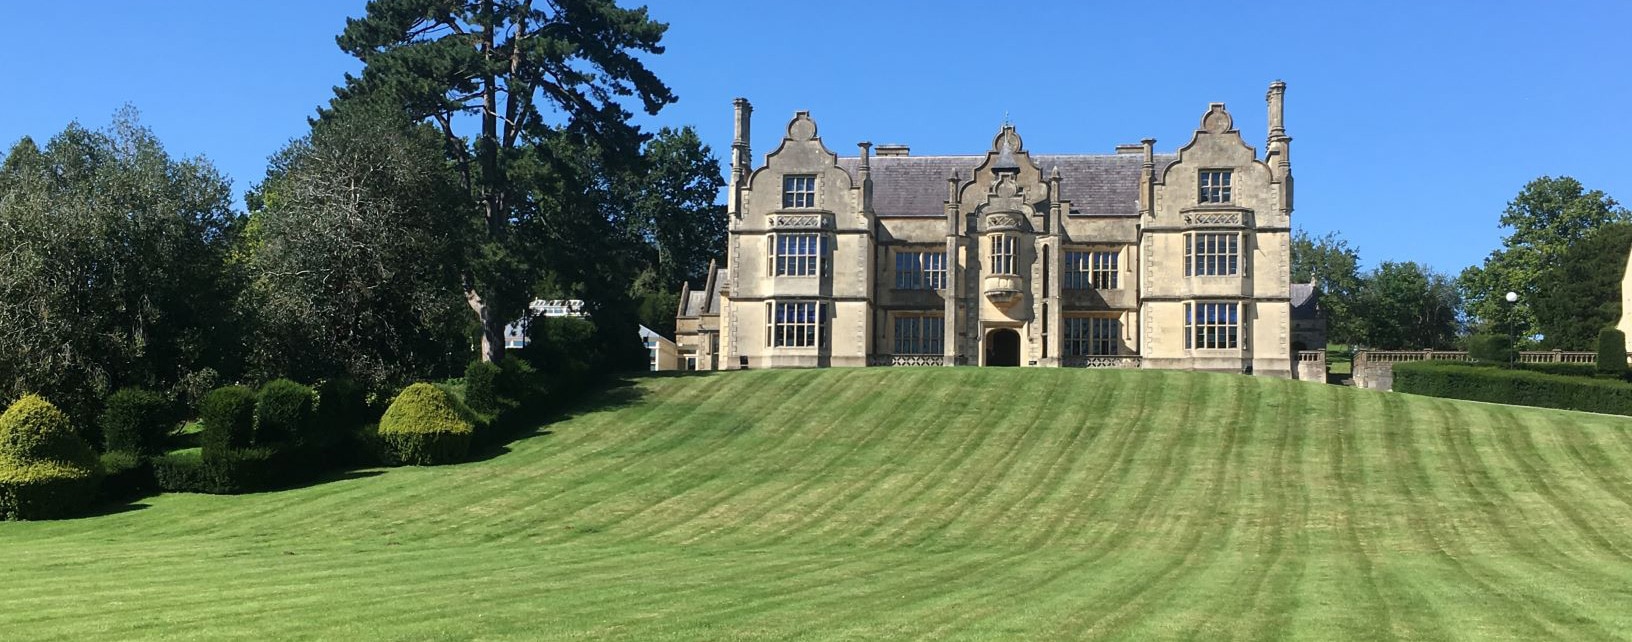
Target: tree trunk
492, 329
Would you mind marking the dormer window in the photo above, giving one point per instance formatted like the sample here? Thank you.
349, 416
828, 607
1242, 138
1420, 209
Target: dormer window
798, 191
1215, 186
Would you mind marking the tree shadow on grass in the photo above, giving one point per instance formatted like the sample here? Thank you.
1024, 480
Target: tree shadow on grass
534, 420
111, 507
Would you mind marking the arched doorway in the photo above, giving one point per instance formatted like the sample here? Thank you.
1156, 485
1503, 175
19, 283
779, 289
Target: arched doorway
1003, 348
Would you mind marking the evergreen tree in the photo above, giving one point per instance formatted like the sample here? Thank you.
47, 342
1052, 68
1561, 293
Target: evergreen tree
497, 66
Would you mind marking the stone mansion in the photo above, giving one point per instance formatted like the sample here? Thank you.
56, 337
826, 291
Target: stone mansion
1004, 258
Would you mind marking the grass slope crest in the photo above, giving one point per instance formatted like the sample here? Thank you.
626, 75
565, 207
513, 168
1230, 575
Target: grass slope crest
424, 428
46, 470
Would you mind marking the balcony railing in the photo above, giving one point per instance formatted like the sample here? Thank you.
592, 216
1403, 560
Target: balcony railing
1101, 362
1399, 356
906, 360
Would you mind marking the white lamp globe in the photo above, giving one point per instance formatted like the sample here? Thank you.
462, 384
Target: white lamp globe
1512, 297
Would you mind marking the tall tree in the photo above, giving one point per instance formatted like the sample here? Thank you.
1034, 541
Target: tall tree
493, 64
673, 199
1547, 217
1404, 305
112, 258
1335, 266
1581, 293
353, 252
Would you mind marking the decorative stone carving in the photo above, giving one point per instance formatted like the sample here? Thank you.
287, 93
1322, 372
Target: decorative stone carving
1213, 218
1101, 362
799, 221
907, 360
801, 128
1217, 121
1003, 221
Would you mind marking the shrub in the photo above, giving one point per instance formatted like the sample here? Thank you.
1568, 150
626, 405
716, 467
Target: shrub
126, 475
229, 419
424, 427
135, 421
482, 387
1491, 348
342, 405
46, 470
1612, 352
519, 381
180, 472
1564, 369
1517, 387
242, 470
284, 414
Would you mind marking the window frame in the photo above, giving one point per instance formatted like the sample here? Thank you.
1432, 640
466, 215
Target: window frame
801, 261
1004, 252
920, 270
805, 327
1212, 254
1212, 325
1092, 336
1092, 269
799, 191
1214, 186
918, 334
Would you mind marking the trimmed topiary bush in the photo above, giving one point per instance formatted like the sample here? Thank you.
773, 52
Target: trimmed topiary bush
342, 406
482, 387
1612, 352
1491, 348
126, 475
423, 427
136, 421
284, 413
180, 472
228, 415
46, 470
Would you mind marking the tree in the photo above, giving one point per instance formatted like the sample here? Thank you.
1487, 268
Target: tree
1547, 217
357, 234
1580, 294
1335, 266
675, 213
493, 64
112, 267
1404, 305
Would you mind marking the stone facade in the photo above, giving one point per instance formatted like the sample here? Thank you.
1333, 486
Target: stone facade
1131, 259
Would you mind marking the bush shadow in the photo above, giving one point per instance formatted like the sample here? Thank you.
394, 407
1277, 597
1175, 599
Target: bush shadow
534, 419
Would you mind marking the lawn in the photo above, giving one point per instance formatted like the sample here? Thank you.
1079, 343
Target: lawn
868, 504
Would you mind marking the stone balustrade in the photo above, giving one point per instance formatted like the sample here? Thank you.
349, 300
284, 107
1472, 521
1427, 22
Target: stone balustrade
1375, 368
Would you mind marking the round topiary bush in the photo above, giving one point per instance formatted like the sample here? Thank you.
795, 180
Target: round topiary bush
422, 428
228, 415
46, 470
482, 387
284, 413
135, 421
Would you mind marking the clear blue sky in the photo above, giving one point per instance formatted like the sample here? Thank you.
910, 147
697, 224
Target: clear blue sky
1414, 122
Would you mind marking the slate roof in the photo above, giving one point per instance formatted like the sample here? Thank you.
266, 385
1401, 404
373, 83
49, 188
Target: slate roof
703, 302
1305, 301
1096, 185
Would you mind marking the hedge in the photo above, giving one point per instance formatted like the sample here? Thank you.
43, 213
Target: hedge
1612, 352
1491, 348
1516, 387
241, 470
284, 413
423, 427
127, 475
228, 415
46, 470
136, 421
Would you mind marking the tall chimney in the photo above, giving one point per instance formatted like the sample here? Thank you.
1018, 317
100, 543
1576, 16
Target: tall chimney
1277, 93
741, 159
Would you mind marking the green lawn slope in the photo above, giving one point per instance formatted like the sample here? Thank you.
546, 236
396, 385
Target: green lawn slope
899, 503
